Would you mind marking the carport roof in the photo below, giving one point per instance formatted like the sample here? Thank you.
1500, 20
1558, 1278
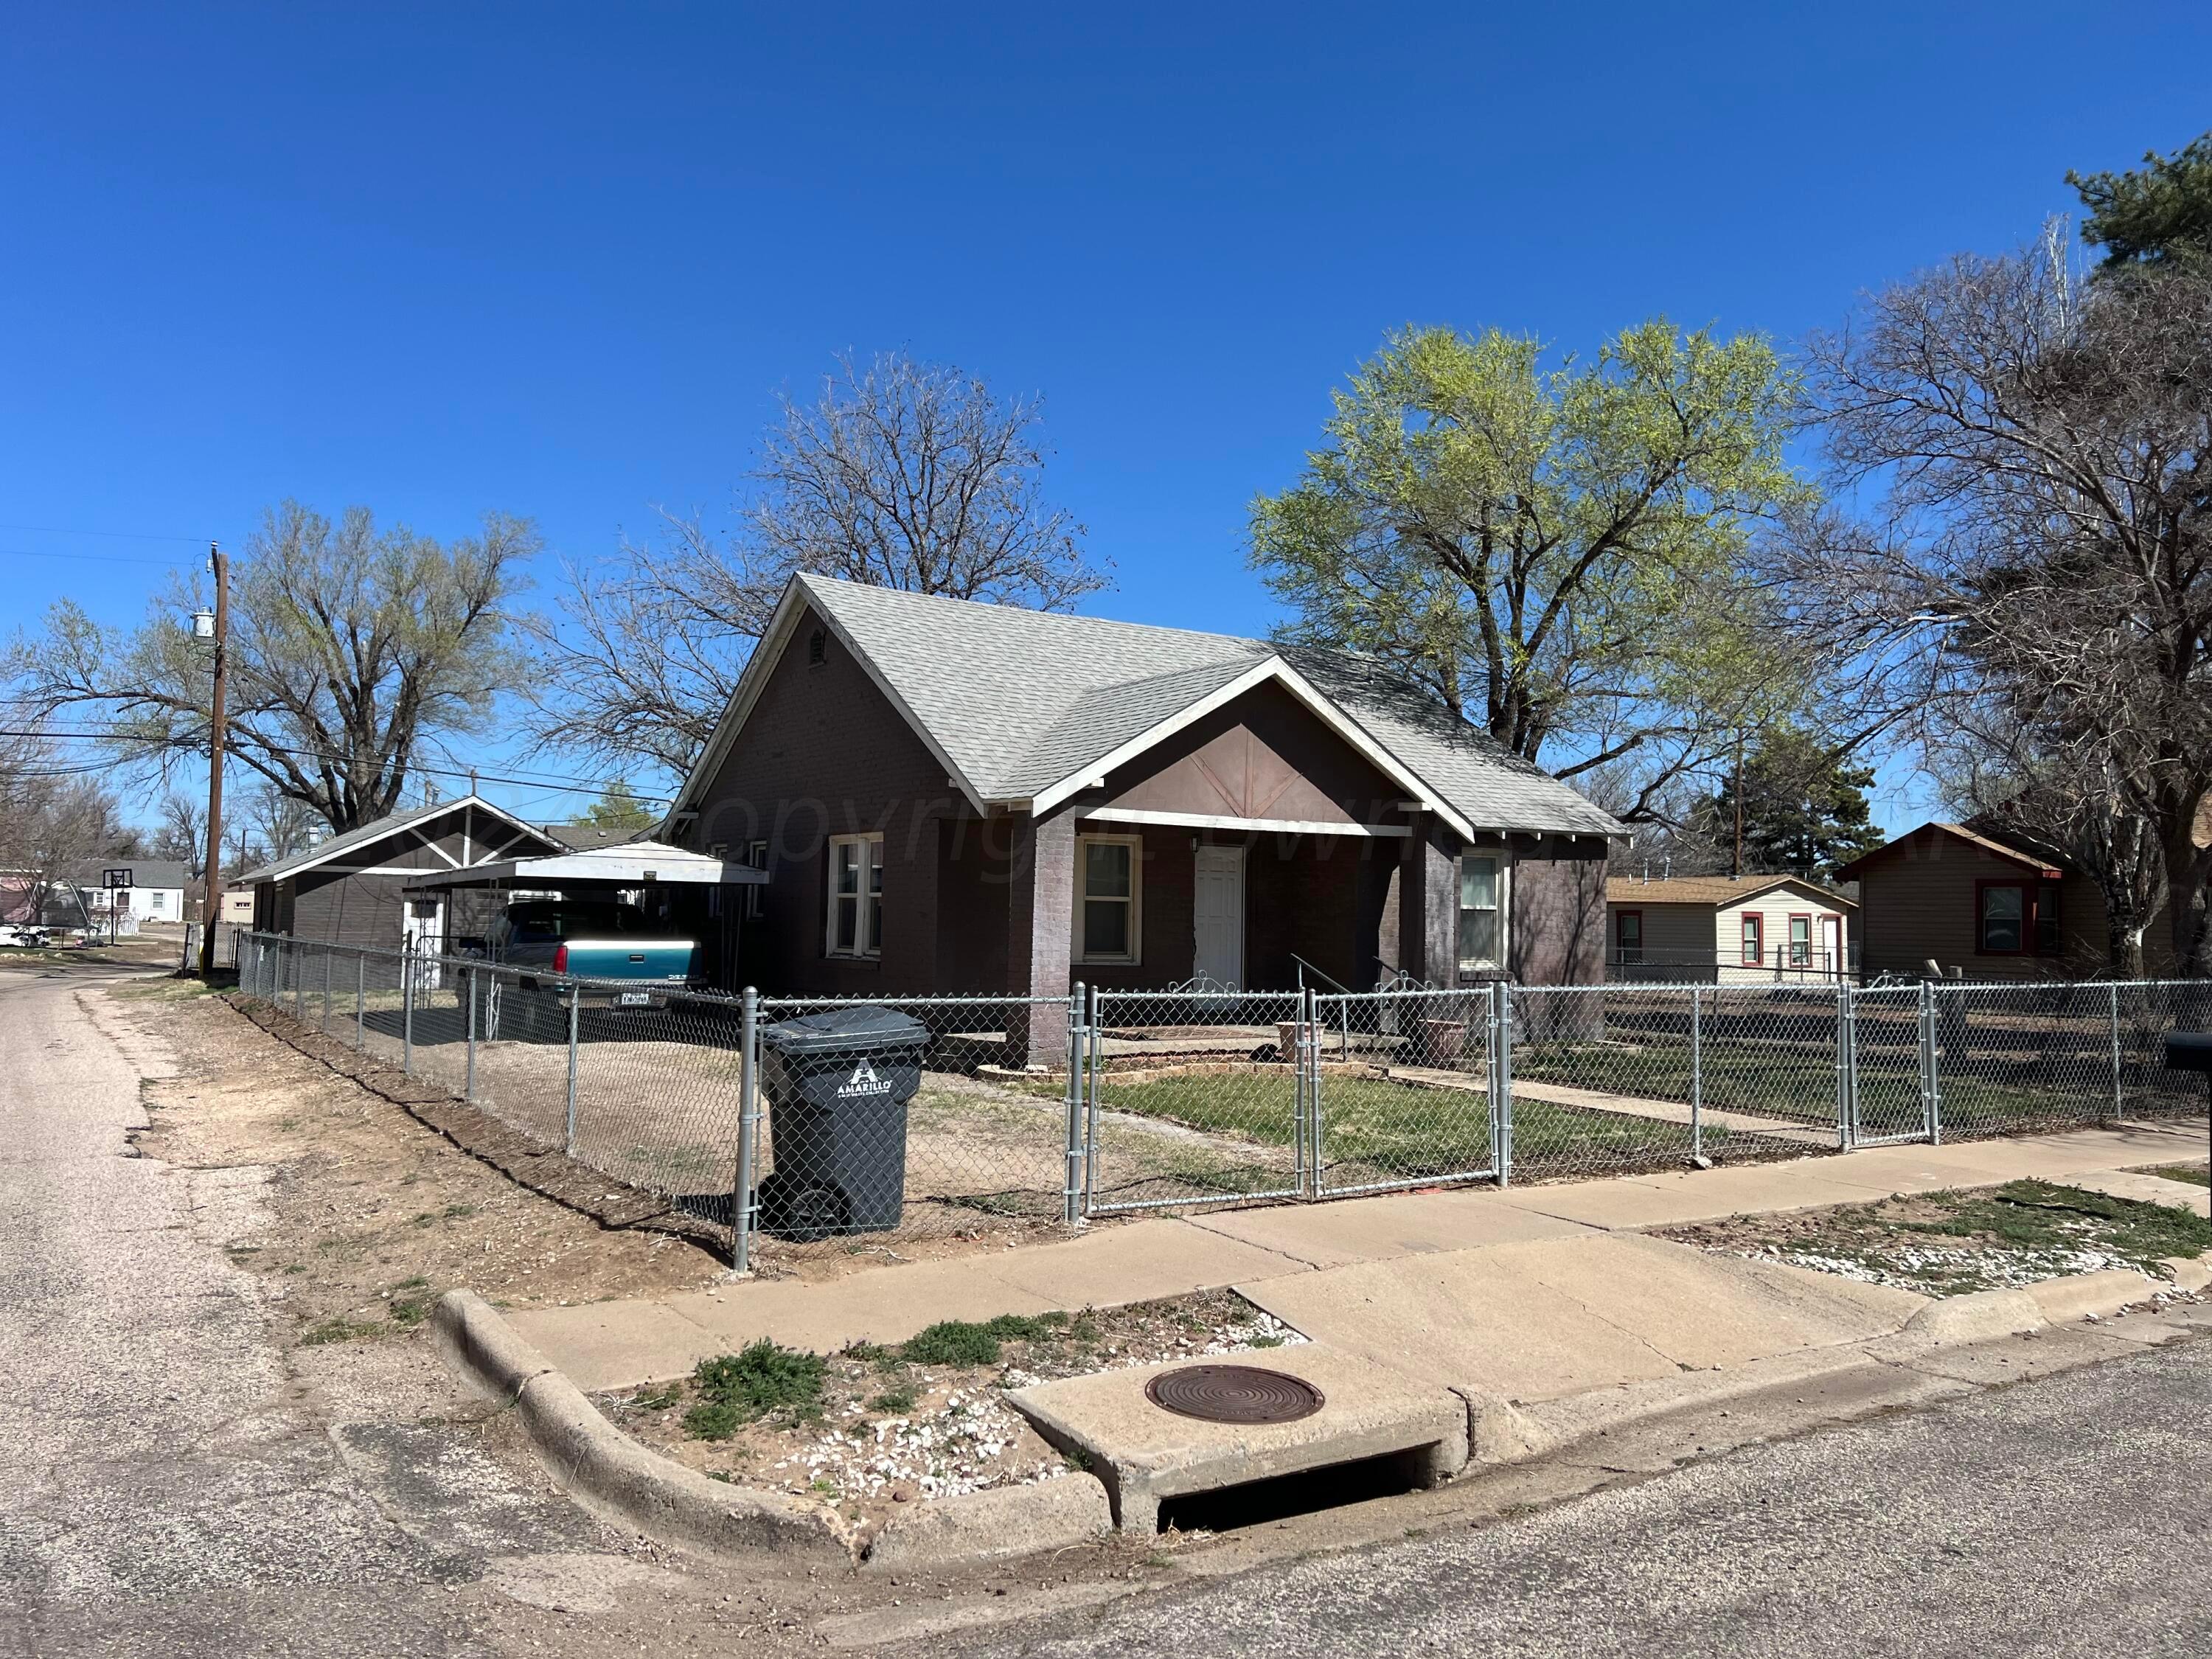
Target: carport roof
635, 864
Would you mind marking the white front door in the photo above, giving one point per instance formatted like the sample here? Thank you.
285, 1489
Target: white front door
425, 934
1832, 955
1218, 913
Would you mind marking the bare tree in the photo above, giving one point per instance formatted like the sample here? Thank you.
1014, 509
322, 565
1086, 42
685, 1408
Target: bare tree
182, 834
280, 825
2044, 563
352, 651
901, 474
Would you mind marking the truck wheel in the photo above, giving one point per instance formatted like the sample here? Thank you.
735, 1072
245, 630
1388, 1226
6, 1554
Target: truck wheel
802, 1210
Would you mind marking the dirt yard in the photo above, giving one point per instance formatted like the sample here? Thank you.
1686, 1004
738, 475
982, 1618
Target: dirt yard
374, 1213
1948, 1244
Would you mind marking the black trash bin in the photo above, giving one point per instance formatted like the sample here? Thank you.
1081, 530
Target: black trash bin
837, 1083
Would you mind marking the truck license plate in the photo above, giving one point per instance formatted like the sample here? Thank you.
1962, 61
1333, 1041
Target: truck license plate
633, 999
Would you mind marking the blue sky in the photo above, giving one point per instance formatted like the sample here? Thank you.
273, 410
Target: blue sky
556, 260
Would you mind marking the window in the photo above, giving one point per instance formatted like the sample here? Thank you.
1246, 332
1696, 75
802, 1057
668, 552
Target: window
1108, 897
1754, 945
2046, 919
756, 856
2003, 922
856, 896
1482, 913
1628, 935
155, 901
1801, 941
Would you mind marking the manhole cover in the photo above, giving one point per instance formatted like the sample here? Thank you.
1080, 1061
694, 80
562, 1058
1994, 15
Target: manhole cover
1234, 1394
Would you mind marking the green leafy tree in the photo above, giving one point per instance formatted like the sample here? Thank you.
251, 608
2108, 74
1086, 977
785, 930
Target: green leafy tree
1804, 810
354, 652
1558, 552
2161, 214
616, 808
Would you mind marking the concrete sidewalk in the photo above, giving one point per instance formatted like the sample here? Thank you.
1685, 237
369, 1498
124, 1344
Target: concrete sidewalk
1542, 1296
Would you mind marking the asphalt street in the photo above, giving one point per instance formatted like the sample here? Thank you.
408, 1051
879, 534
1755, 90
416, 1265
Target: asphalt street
2071, 1516
166, 1485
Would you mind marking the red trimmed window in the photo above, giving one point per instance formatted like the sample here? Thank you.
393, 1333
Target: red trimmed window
1628, 935
2016, 918
1754, 944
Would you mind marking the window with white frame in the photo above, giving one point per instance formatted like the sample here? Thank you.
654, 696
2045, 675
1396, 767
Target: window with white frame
156, 901
1481, 911
856, 896
1109, 874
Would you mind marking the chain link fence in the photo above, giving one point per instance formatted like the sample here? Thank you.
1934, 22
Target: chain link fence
810, 1124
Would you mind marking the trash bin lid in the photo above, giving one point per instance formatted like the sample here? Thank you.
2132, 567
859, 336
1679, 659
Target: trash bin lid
846, 1030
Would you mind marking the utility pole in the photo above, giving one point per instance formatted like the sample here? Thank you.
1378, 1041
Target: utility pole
211, 909
1736, 871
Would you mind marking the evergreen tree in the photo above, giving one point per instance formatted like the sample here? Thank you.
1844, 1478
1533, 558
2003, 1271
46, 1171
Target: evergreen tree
1804, 811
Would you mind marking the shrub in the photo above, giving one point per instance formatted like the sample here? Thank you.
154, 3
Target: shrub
742, 1387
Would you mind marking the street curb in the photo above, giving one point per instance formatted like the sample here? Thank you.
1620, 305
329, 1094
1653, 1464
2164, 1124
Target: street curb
1501, 1432
608, 1472
996, 1524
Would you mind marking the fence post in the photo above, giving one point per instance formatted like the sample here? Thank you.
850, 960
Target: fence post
361, 1000
1091, 1107
1846, 1092
407, 1011
2113, 992
1308, 1062
575, 1023
1697, 1074
1501, 1079
469, 1076
741, 1195
1072, 1188
1931, 1076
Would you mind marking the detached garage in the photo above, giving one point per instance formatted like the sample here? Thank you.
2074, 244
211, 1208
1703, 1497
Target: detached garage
350, 889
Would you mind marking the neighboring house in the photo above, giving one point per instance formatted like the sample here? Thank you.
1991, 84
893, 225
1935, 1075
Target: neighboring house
156, 893
1978, 900
347, 888
237, 906
591, 838
960, 798
1728, 929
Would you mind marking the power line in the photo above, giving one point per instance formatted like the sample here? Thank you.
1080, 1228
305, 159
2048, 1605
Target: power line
548, 785
89, 558
104, 535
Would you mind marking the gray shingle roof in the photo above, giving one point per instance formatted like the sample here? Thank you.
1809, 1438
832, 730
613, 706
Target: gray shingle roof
144, 873
1021, 700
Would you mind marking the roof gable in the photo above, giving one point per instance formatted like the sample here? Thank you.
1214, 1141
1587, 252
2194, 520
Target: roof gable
1027, 707
384, 829
1909, 844
1714, 892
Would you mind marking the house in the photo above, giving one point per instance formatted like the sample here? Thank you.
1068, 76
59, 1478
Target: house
1728, 929
952, 797
237, 906
143, 890
347, 888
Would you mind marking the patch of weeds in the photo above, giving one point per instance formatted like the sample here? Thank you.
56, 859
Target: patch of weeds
1267, 1342
336, 1330
1077, 1459
455, 1212
660, 1399
288, 1124
964, 1342
426, 1219
763, 1380
296, 1268
2197, 1174
722, 1475
896, 1400
409, 1311
871, 1353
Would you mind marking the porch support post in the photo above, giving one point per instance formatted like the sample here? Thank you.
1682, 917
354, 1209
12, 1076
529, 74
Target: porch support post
1428, 891
1040, 918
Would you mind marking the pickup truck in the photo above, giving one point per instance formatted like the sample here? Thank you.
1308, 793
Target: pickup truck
627, 962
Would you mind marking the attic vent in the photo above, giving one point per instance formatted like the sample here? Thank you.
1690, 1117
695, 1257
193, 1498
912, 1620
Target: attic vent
818, 647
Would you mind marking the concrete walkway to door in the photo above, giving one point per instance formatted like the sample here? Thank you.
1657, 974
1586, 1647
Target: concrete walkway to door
1574, 1278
